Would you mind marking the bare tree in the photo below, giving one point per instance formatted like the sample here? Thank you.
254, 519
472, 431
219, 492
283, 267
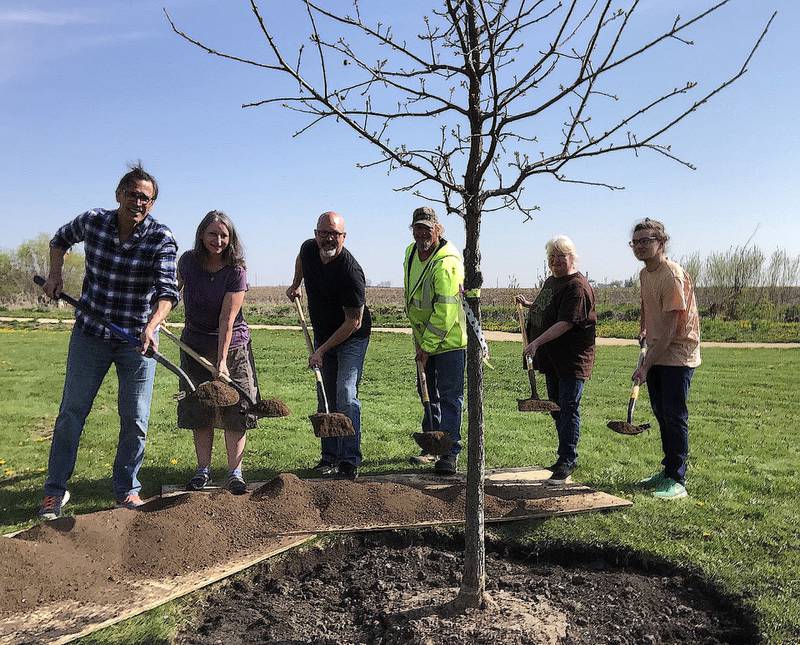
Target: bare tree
499, 91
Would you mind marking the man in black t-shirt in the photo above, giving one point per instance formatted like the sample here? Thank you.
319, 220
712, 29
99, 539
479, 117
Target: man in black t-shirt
336, 291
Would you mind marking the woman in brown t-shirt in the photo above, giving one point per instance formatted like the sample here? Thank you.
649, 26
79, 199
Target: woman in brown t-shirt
561, 322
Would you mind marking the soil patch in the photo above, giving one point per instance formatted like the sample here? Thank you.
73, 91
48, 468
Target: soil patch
392, 587
95, 558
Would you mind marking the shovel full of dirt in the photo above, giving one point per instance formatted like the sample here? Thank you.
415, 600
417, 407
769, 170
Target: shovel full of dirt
534, 403
201, 392
229, 391
326, 424
628, 427
432, 442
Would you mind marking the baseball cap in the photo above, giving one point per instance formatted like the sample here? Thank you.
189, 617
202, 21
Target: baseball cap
424, 215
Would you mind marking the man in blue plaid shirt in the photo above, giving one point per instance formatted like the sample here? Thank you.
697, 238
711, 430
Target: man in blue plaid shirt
130, 281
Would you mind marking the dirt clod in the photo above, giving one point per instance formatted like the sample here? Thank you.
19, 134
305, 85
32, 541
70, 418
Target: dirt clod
434, 442
216, 394
271, 408
623, 427
536, 405
333, 424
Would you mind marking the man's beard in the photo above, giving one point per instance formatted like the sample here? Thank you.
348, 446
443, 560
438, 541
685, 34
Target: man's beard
328, 253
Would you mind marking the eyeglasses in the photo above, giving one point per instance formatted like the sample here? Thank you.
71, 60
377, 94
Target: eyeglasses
139, 197
642, 241
326, 234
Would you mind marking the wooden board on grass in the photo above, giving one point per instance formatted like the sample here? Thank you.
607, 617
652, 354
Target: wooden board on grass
66, 622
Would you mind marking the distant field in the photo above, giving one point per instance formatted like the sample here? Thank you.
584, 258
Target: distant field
617, 314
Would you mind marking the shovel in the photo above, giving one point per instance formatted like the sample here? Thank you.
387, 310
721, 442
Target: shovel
627, 427
432, 442
267, 408
326, 424
121, 334
533, 404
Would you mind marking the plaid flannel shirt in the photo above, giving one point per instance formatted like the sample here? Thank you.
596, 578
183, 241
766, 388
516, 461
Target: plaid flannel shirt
123, 280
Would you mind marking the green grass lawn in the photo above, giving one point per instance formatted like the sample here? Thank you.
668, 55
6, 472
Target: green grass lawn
739, 525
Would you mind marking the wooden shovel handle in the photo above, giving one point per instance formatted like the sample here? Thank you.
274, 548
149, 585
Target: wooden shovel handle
198, 357
423, 384
522, 326
310, 348
304, 325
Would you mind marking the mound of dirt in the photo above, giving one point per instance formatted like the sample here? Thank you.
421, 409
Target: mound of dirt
95, 557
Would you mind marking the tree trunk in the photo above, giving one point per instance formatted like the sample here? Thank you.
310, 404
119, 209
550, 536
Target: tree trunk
473, 582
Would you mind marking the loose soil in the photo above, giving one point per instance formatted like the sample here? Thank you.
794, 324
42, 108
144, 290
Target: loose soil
395, 588
332, 424
94, 558
271, 408
216, 394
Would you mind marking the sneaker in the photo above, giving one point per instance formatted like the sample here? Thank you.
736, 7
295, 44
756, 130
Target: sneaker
131, 502
324, 468
561, 472
654, 481
199, 481
52, 505
346, 470
446, 465
553, 467
670, 489
422, 459
236, 484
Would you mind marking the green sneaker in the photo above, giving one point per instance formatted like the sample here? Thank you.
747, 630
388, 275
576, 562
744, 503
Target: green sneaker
653, 481
670, 489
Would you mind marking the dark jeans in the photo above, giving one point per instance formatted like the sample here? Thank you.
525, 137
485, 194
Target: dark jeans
567, 392
88, 361
668, 387
341, 374
445, 375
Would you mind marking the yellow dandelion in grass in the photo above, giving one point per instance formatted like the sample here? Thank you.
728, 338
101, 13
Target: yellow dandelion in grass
8, 472
173, 461
2, 462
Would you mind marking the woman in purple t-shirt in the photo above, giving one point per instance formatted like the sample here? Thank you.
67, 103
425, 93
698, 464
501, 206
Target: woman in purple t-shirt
214, 281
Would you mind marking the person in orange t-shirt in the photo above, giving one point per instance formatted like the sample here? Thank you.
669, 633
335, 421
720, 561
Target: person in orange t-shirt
671, 326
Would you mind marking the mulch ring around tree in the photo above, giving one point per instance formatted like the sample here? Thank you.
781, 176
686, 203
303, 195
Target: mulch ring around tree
390, 587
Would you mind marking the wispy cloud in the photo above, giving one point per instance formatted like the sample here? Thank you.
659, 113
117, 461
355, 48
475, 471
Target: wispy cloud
42, 18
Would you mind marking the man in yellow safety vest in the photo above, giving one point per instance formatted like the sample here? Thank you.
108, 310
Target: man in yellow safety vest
433, 275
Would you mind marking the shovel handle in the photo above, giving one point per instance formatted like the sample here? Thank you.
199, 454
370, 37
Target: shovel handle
522, 326
121, 334
310, 348
423, 388
207, 364
304, 325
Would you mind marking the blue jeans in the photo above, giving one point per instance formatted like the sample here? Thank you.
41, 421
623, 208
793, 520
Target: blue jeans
567, 392
88, 361
342, 367
668, 387
445, 376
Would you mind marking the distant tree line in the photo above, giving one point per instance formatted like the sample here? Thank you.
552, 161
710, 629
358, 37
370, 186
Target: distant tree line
18, 266
741, 282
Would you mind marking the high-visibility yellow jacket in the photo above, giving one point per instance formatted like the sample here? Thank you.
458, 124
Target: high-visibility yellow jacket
433, 299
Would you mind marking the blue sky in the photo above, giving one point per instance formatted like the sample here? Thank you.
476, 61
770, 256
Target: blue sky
88, 86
